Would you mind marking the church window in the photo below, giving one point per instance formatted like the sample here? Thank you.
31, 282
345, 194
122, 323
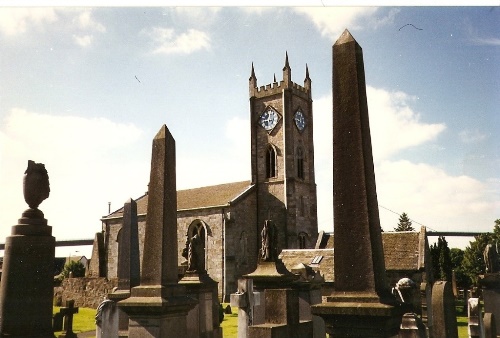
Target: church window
300, 162
302, 240
199, 229
271, 162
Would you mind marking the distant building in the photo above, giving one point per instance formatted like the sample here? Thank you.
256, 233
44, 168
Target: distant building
229, 217
406, 254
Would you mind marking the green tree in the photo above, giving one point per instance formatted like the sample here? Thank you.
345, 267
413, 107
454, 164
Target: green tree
473, 261
404, 223
457, 257
76, 267
441, 260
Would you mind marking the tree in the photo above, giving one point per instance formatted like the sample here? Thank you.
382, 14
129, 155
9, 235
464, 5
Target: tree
76, 267
473, 261
457, 257
404, 223
441, 260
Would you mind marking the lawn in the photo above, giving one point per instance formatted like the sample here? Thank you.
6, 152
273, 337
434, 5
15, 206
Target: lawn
83, 321
230, 324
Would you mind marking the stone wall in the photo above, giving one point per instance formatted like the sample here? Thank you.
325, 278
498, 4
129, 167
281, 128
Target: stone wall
87, 292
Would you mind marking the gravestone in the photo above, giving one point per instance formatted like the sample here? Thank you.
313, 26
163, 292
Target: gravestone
490, 330
490, 288
245, 301
426, 298
106, 319
475, 318
361, 305
68, 311
128, 263
158, 307
27, 290
443, 311
412, 327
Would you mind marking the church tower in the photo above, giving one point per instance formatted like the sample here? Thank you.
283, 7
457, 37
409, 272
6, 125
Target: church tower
282, 162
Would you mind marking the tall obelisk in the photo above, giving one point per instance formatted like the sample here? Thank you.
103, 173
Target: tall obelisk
158, 306
361, 305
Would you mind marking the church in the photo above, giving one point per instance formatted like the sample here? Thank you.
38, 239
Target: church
229, 217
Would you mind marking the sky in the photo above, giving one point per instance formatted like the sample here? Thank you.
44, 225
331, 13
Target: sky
84, 91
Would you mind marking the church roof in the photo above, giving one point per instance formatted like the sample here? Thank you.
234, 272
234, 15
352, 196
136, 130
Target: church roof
197, 198
403, 251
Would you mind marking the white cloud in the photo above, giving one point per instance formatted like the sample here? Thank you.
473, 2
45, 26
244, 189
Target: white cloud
90, 162
85, 21
395, 125
83, 40
332, 21
471, 136
15, 21
428, 194
166, 41
202, 16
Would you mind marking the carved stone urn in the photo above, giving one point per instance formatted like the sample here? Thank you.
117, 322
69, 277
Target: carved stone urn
35, 184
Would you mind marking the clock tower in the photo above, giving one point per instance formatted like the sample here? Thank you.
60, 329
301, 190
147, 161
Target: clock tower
282, 162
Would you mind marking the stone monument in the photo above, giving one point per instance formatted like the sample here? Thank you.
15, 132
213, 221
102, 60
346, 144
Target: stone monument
128, 263
443, 310
27, 289
158, 307
362, 305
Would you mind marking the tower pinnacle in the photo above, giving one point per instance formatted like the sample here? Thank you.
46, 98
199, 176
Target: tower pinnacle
287, 73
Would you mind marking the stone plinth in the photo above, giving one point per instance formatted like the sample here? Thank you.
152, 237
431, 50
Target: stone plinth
490, 284
27, 286
203, 319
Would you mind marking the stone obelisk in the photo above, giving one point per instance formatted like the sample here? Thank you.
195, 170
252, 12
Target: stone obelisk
27, 287
362, 305
159, 305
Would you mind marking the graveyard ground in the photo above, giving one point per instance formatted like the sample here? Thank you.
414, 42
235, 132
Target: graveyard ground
84, 321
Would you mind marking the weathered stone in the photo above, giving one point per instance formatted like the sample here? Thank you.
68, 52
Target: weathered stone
26, 291
158, 306
362, 305
490, 284
490, 328
97, 263
68, 311
474, 317
412, 327
107, 319
443, 311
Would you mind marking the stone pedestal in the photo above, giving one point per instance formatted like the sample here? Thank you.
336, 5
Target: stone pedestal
27, 290
490, 284
121, 320
107, 320
203, 319
282, 317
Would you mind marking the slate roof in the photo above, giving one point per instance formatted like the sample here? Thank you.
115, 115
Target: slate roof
403, 251
211, 196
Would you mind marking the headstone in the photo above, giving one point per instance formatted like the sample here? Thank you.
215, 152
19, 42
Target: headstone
128, 262
490, 330
490, 289
362, 305
475, 318
107, 319
426, 299
243, 299
68, 311
443, 311
412, 327
228, 310
27, 287
158, 306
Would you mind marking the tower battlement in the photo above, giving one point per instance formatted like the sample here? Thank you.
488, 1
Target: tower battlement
277, 87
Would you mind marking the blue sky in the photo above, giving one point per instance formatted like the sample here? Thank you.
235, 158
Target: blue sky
84, 90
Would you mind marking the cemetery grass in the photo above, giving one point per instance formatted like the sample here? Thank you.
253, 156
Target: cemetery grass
230, 325
83, 321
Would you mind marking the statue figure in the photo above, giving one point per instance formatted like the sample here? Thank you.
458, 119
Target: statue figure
268, 250
36, 186
490, 254
196, 254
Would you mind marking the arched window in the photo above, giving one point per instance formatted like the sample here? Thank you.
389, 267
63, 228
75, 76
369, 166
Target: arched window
198, 228
300, 162
271, 162
302, 240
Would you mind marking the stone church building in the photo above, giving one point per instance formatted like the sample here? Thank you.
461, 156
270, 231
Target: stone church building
229, 217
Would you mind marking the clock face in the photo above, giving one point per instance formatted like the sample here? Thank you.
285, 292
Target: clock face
269, 119
300, 120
